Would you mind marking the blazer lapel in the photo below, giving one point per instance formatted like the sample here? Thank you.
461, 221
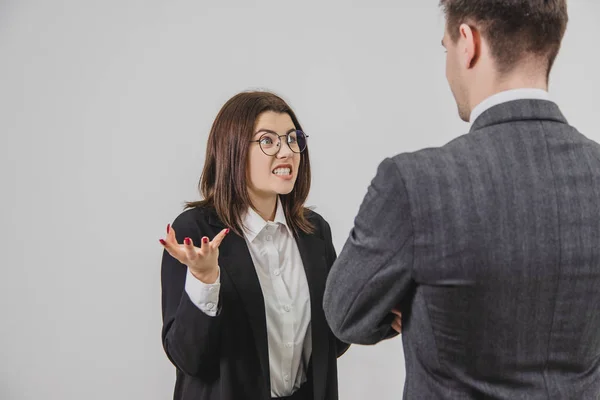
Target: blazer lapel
312, 252
235, 260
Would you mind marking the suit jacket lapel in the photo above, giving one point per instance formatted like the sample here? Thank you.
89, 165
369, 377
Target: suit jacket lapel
312, 251
235, 260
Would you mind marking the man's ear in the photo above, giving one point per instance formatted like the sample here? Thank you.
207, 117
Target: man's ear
471, 45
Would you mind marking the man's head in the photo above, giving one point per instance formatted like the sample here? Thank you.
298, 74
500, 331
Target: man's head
494, 45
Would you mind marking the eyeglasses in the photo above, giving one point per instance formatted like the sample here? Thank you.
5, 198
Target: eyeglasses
270, 142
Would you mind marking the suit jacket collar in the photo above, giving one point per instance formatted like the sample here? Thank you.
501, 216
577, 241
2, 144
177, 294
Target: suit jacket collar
519, 110
506, 96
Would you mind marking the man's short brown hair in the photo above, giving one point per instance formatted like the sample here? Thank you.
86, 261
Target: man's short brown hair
514, 29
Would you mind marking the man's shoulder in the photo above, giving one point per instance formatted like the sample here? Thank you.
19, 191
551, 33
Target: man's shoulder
461, 145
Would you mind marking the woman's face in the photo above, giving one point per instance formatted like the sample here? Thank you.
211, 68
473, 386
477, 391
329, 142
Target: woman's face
269, 176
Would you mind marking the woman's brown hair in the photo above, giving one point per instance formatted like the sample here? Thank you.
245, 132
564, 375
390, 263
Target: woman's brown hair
223, 181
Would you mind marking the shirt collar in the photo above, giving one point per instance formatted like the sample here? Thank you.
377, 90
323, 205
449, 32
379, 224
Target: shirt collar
506, 96
253, 223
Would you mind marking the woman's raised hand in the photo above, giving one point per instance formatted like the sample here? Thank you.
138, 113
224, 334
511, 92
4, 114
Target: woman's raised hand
202, 261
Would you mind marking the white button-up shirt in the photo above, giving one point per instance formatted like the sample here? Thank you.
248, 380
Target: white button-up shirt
287, 299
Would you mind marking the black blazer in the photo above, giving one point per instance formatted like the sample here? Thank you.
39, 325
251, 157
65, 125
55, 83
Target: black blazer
226, 357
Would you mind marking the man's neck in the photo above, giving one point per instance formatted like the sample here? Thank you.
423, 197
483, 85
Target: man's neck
511, 82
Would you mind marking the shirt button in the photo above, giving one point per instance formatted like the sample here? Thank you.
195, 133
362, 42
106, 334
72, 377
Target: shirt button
289, 345
287, 308
286, 377
269, 238
211, 289
276, 272
210, 306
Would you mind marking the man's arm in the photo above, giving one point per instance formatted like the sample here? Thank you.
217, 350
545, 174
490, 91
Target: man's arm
373, 273
340, 346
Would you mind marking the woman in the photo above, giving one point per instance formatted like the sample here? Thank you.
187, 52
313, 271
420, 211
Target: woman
242, 312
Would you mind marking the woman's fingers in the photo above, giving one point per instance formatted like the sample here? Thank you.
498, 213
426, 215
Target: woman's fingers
172, 247
173, 250
170, 242
204, 247
187, 252
171, 238
216, 242
397, 324
190, 250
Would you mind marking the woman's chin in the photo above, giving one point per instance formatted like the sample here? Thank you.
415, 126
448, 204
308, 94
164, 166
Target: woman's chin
284, 189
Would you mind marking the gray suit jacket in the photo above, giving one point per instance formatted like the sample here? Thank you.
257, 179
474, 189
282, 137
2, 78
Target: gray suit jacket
490, 246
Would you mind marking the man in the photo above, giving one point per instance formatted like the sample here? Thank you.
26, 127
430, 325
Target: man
490, 245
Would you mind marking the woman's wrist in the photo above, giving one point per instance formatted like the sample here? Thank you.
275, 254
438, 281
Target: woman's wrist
208, 277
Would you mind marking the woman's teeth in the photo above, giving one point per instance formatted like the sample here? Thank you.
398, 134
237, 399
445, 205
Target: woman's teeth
282, 171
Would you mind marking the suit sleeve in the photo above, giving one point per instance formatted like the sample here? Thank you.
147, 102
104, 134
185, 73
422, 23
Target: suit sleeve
190, 336
373, 273
341, 347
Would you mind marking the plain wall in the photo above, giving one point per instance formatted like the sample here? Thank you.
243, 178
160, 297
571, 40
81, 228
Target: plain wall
105, 109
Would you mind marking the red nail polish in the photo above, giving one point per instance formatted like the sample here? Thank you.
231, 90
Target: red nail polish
205, 240
227, 231
162, 242
168, 228
187, 241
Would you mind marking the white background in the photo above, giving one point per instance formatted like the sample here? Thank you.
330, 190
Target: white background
105, 108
